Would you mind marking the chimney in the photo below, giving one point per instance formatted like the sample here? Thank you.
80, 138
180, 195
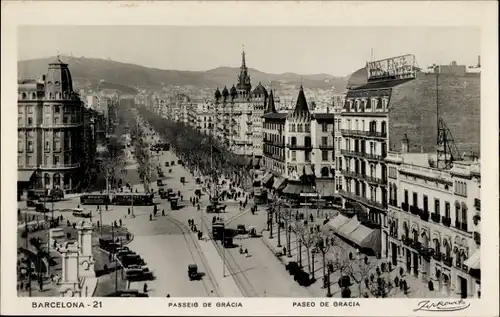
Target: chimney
479, 61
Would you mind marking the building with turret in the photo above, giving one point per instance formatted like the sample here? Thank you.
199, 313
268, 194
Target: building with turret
238, 115
50, 131
299, 150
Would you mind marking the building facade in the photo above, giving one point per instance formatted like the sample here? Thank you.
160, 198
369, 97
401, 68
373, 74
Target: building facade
432, 228
387, 106
238, 112
299, 148
50, 131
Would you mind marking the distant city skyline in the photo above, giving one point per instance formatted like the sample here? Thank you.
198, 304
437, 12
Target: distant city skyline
337, 51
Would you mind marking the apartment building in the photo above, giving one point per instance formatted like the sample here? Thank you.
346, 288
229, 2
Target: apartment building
432, 228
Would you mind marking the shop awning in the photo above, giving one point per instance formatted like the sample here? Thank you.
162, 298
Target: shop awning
297, 189
267, 178
366, 238
474, 261
326, 188
308, 170
337, 222
24, 176
278, 182
349, 227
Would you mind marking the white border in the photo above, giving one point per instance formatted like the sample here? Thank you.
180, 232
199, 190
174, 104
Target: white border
473, 13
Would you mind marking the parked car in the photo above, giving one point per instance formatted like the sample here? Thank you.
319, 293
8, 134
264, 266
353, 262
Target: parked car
193, 272
241, 229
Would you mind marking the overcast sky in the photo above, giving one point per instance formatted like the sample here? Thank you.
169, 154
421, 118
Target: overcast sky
304, 50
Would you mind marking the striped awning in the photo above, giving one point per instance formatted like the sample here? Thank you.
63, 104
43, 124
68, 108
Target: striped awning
24, 176
308, 170
267, 178
297, 189
474, 261
278, 182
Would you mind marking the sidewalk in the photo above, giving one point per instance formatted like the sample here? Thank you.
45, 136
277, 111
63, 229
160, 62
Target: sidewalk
417, 289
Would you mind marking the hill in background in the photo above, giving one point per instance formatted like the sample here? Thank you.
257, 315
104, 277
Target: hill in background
88, 72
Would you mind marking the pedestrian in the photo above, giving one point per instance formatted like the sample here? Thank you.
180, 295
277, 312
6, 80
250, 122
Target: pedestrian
128, 211
145, 288
168, 295
120, 222
150, 217
163, 212
106, 206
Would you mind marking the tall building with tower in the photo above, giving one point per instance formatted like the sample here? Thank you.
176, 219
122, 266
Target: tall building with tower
50, 131
238, 114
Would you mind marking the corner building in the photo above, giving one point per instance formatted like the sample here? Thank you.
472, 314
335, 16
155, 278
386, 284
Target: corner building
388, 105
50, 131
432, 229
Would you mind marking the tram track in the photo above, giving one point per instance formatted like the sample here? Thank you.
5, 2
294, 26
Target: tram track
191, 242
234, 269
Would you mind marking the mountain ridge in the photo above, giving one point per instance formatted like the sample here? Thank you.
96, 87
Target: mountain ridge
88, 72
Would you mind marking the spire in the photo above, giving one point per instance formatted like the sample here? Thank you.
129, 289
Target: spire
301, 106
243, 62
270, 104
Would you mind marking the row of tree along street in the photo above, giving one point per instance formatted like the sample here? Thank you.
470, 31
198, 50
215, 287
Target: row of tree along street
372, 280
194, 149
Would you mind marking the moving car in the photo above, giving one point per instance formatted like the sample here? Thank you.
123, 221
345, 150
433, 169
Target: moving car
193, 272
241, 229
82, 213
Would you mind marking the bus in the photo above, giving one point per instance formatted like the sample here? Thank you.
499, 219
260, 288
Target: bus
94, 199
139, 199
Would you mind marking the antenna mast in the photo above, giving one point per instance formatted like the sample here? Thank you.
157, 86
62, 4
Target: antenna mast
447, 151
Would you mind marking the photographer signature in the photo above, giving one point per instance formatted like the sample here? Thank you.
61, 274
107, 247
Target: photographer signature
442, 305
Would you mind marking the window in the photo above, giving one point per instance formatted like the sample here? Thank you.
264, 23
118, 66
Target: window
437, 211
324, 155
30, 120
426, 203
299, 127
406, 196
464, 215
308, 156
293, 128
447, 210
307, 127
324, 141
56, 159
57, 109
46, 160
307, 141
325, 172
457, 211
20, 145
324, 127
415, 199
30, 146
294, 156
294, 141
28, 160
333, 156
47, 146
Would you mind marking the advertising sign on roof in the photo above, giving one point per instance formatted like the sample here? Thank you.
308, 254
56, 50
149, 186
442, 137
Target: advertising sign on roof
401, 67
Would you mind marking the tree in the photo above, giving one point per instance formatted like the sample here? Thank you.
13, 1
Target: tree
308, 237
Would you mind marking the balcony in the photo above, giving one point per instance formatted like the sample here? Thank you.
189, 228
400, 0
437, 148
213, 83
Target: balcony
426, 253
424, 215
327, 147
299, 147
436, 256
415, 210
436, 217
404, 206
374, 180
477, 237
463, 227
447, 260
366, 201
458, 225
279, 144
374, 157
359, 133
60, 166
446, 221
